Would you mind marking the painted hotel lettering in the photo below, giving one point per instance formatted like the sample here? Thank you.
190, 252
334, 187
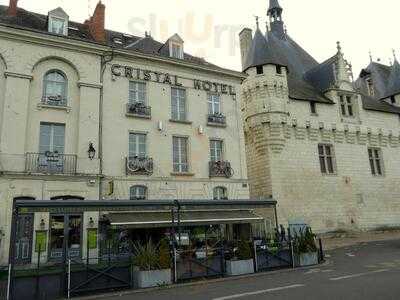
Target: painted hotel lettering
165, 78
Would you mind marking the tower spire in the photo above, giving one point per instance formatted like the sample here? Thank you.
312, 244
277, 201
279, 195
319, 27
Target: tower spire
275, 17
394, 55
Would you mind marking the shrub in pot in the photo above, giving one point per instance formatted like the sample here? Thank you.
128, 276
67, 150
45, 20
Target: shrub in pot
242, 262
306, 249
153, 265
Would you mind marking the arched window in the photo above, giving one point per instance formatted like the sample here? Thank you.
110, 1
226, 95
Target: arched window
55, 88
220, 193
138, 192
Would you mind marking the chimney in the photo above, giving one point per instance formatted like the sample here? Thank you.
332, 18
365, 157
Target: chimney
96, 23
245, 37
12, 8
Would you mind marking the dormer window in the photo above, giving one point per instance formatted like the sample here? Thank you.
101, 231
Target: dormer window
176, 47
58, 22
370, 86
393, 99
176, 51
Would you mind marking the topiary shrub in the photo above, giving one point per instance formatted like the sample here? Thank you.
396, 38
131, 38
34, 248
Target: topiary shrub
164, 255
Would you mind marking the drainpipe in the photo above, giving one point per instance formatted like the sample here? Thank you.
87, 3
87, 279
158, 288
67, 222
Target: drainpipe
105, 59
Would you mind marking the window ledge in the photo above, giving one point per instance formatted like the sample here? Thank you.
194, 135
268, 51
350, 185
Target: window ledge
314, 114
188, 174
212, 124
329, 175
181, 122
137, 116
58, 107
350, 120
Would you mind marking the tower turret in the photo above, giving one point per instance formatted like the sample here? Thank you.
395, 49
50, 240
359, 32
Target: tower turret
275, 16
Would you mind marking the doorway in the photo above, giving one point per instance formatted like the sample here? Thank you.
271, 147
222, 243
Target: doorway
65, 233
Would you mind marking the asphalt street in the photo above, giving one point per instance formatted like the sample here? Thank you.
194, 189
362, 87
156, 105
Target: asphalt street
369, 271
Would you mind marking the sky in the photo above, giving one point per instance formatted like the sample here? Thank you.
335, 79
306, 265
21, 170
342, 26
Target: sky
210, 27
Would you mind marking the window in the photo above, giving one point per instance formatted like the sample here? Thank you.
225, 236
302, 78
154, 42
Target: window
137, 145
137, 92
180, 154
313, 108
326, 159
375, 161
393, 99
138, 192
51, 138
278, 70
216, 150
220, 193
55, 88
176, 51
178, 104
58, 26
214, 104
346, 106
260, 70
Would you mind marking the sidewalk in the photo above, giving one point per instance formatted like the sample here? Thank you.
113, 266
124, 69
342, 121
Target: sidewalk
339, 240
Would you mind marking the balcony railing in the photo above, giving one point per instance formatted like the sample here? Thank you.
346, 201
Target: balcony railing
50, 163
220, 169
217, 119
138, 109
54, 100
136, 165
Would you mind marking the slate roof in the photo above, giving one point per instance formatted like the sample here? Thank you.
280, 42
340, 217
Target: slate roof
37, 22
385, 81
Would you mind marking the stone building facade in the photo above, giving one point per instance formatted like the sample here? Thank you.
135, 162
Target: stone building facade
323, 145
89, 113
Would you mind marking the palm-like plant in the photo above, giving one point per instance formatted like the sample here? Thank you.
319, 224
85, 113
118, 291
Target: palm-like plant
146, 256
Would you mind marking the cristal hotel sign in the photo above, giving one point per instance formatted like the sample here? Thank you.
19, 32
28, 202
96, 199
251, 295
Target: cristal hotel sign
173, 80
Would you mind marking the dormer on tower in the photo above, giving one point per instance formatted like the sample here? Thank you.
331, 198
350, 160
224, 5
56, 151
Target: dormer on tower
58, 21
175, 45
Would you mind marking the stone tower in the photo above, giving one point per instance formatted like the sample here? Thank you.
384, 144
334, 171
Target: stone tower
265, 98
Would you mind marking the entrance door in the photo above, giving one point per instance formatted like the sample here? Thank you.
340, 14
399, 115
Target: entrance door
65, 231
23, 246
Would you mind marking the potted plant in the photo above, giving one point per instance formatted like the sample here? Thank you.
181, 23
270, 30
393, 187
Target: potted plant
153, 265
306, 249
242, 261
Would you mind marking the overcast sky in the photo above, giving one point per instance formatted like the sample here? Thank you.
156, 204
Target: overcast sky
210, 27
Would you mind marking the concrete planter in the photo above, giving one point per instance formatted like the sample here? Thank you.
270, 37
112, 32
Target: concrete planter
308, 259
146, 279
239, 267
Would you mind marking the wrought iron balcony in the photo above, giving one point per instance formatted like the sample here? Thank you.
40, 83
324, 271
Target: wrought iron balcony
138, 109
136, 165
50, 163
220, 169
218, 119
57, 100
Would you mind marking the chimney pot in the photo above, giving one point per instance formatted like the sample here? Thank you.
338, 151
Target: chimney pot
12, 8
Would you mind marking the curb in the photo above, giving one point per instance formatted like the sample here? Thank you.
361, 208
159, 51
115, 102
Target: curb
199, 282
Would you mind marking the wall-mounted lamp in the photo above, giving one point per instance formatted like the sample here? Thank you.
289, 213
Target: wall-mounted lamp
91, 222
42, 224
91, 151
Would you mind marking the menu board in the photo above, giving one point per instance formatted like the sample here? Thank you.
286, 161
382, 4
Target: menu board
92, 238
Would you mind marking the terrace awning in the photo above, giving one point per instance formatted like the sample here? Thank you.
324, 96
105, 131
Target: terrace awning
187, 218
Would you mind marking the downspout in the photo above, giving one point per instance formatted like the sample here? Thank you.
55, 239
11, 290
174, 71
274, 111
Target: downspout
105, 59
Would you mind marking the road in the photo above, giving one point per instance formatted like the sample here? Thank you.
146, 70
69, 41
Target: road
369, 271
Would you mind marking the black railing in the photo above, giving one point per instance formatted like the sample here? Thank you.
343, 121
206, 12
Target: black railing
138, 109
54, 100
217, 119
139, 165
220, 169
50, 163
